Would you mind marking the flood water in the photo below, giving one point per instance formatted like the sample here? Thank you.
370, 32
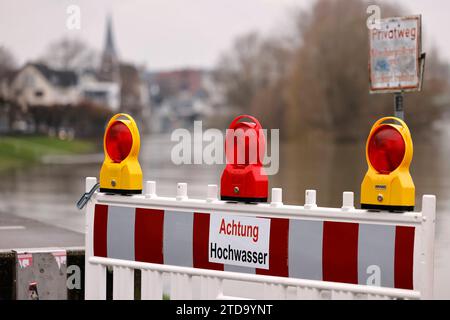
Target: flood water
48, 193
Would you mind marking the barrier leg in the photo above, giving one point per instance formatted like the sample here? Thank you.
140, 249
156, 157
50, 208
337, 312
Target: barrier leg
428, 230
95, 282
307, 293
123, 283
372, 297
95, 275
151, 285
210, 288
274, 291
180, 286
341, 295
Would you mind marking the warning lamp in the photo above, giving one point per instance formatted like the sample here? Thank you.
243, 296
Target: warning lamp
388, 185
121, 172
243, 178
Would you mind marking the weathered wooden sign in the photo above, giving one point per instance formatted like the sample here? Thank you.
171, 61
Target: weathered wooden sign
395, 55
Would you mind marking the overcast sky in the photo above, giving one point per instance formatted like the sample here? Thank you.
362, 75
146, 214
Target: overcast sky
166, 34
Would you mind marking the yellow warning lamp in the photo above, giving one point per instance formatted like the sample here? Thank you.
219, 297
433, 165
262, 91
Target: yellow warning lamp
121, 172
388, 185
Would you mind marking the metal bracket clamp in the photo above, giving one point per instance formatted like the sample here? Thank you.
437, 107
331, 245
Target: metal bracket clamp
86, 196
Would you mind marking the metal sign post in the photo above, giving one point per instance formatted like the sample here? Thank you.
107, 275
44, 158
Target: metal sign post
398, 105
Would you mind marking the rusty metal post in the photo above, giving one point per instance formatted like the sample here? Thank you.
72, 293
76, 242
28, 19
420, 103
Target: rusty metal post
398, 105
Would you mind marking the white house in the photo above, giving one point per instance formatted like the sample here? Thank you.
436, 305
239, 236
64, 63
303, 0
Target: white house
37, 85
105, 93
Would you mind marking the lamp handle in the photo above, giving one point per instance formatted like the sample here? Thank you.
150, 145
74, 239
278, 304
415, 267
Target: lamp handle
243, 116
134, 126
126, 115
398, 120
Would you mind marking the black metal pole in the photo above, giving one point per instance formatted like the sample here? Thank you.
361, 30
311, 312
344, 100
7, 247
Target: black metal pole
398, 105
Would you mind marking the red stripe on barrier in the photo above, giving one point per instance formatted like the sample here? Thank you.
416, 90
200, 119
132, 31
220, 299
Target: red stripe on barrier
100, 230
404, 257
340, 252
201, 243
148, 235
278, 249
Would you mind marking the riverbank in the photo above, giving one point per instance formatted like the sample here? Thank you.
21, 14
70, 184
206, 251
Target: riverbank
22, 151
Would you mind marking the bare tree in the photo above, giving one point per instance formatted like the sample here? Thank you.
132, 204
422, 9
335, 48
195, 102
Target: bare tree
7, 61
237, 70
250, 74
328, 87
328, 81
319, 82
69, 53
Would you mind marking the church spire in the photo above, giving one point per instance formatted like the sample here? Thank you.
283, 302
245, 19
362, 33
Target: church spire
109, 67
109, 45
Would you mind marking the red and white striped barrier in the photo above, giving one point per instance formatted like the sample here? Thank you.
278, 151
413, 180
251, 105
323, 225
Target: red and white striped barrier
345, 252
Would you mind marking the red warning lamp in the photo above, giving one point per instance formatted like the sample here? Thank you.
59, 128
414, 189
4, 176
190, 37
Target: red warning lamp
243, 178
388, 184
118, 142
121, 172
386, 149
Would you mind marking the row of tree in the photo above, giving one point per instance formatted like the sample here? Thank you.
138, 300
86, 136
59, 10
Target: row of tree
64, 54
314, 78
85, 120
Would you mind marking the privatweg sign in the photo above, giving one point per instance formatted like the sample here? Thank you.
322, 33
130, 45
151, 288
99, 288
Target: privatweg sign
394, 55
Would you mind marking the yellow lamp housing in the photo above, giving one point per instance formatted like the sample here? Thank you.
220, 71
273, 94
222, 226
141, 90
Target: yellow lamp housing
388, 184
121, 172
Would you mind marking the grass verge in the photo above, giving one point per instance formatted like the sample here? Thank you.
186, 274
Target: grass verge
23, 151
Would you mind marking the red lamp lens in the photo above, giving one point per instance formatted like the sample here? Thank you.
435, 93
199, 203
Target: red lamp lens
246, 145
118, 141
386, 149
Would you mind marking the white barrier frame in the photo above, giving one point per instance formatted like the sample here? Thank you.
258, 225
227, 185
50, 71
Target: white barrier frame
211, 281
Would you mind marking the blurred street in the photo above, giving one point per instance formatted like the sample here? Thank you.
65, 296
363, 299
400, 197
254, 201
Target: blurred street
19, 232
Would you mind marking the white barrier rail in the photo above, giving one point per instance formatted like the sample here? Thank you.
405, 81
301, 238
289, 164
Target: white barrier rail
190, 282
212, 281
